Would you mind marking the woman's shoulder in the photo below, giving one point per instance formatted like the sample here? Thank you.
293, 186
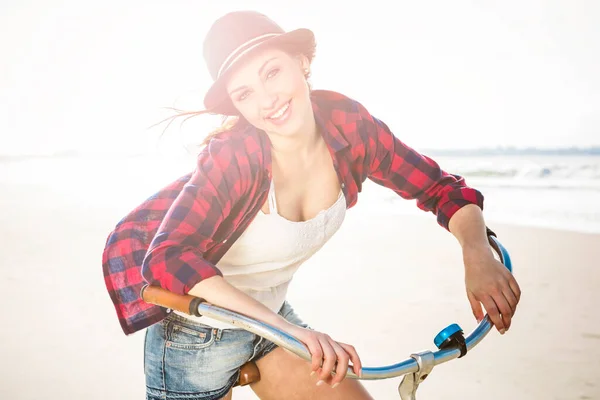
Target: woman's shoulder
337, 107
239, 138
349, 117
332, 100
240, 145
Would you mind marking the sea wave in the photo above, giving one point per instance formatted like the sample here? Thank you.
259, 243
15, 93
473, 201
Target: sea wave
522, 172
585, 171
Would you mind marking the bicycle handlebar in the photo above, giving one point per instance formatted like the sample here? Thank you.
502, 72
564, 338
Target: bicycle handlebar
196, 306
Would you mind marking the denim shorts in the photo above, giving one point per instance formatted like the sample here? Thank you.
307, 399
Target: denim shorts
187, 360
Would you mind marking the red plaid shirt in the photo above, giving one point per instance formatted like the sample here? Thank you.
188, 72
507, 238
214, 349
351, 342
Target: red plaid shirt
175, 238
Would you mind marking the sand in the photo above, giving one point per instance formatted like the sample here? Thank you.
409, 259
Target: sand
386, 284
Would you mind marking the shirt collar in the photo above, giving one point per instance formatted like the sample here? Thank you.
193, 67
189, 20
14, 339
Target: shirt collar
334, 139
330, 132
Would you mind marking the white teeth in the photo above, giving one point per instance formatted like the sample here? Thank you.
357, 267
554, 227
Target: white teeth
280, 112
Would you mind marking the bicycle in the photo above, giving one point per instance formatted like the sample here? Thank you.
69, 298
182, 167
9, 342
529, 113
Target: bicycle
451, 341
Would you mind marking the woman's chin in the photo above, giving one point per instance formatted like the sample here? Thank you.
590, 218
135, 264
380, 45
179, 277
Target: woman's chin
291, 129
296, 126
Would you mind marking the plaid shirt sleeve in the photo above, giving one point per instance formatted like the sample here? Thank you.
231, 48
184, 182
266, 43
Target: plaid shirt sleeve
412, 175
175, 259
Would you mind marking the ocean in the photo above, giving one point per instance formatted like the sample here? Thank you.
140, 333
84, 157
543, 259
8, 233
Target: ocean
553, 191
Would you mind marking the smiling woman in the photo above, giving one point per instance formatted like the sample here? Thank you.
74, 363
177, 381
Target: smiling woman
301, 157
287, 70
278, 82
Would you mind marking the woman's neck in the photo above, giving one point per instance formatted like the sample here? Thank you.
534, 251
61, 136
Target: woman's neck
300, 147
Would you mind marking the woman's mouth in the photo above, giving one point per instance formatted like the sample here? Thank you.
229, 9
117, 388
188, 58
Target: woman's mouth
281, 115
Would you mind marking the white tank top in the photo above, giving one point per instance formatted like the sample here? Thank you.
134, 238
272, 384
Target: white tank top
263, 260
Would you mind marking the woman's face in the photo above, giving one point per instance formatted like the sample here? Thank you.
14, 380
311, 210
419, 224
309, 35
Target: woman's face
270, 91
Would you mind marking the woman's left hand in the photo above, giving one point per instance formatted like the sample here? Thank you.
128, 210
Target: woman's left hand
489, 282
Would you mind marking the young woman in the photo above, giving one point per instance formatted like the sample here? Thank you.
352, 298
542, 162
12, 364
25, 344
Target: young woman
269, 190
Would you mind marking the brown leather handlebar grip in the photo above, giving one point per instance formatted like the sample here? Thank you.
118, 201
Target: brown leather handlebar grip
161, 297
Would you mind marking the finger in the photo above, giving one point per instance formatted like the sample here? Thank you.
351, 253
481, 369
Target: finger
325, 381
514, 287
493, 312
508, 319
329, 359
504, 308
316, 355
511, 298
341, 369
475, 306
356, 363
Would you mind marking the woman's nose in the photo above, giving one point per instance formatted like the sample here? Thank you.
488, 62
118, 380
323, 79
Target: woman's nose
268, 101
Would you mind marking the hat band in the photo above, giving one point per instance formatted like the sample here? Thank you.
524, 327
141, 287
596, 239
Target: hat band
241, 50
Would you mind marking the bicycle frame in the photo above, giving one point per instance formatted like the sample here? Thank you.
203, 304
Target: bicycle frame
414, 369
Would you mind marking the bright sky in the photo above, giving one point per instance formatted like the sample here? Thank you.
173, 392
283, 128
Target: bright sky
460, 74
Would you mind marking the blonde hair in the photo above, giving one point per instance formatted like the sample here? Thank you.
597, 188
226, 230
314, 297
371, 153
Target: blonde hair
227, 125
227, 122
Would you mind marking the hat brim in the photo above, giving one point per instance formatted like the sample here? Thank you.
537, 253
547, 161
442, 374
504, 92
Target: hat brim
217, 100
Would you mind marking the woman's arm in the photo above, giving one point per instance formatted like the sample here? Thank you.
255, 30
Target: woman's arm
175, 258
469, 228
458, 208
221, 293
391, 163
487, 280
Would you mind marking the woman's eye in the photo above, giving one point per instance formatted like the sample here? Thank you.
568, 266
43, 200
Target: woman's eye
272, 73
244, 95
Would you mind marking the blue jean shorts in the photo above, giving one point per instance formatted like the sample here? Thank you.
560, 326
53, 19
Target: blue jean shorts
187, 360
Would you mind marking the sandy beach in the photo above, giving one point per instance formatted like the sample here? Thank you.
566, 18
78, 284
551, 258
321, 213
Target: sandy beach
399, 285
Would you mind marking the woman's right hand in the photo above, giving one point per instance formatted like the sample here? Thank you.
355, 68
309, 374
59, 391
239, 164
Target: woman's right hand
327, 355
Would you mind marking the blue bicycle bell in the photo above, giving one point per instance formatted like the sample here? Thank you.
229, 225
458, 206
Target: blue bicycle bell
451, 337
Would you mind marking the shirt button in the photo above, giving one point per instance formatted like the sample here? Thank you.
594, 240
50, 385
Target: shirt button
343, 185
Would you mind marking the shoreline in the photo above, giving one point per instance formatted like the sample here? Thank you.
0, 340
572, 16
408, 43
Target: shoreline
132, 180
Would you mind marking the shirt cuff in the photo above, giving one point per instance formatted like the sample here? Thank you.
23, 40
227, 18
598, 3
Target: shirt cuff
454, 201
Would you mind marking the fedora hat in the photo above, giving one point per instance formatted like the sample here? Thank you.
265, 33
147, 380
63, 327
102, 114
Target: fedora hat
234, 37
